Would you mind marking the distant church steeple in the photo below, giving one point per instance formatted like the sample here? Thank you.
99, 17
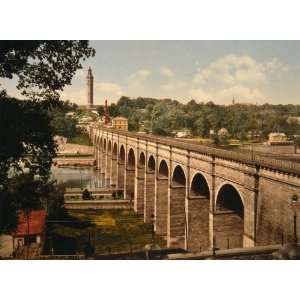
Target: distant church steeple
90, 87
233, 100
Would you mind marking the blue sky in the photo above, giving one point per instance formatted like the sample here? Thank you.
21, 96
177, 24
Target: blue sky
249, 71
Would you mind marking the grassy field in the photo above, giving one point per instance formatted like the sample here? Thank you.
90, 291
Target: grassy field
110, 231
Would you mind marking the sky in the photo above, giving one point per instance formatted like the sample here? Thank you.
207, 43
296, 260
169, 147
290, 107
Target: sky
218, 71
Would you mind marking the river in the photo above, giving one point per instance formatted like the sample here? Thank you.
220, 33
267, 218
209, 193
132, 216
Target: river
77, 177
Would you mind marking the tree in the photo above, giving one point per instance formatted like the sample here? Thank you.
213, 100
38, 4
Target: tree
42, 67
26, 138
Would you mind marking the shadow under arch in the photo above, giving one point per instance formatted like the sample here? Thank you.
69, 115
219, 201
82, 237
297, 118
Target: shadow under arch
198, 214
149, 190
114, 166
229, 218
177, 231
130, 175
121, 168
162, 197
140, 185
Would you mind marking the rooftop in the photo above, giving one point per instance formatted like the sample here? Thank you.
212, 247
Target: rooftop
37, 220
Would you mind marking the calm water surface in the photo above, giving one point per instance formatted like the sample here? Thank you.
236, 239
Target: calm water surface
77, 177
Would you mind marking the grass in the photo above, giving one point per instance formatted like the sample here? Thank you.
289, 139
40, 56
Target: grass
80, 139
109, 230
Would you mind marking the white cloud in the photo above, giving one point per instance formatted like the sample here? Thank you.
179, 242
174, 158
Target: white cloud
166, 72
241, 77
173, 85
233, 70
200, 95
241, 94
135, 79
77, 96
107, 90
102, 91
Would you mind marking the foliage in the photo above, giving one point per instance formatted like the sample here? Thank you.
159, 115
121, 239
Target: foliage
81, 138
42, 70
63, 125
243, 122
42, 67
26, 138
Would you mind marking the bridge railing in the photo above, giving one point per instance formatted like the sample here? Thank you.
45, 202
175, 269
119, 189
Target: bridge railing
250, 157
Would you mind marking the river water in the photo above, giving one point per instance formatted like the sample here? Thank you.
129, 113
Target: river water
77, 177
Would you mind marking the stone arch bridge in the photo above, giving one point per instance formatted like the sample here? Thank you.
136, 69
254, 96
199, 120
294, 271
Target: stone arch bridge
200, 196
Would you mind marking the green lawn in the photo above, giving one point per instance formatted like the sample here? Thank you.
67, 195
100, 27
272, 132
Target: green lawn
108, 230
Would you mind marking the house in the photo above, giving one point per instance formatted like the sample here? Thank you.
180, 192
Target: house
278, 138
32, 234
120, 123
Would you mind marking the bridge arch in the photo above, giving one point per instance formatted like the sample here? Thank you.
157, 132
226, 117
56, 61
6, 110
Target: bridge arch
130, 175
198, 213
115, 151
140, 184
163, 170
162, 197
229, 216
131, 158
142, 160
114, 166
151, 163
121, 167
177, 231
109, 147
199, 186
178, 176
150, 189
104, 145
122, 154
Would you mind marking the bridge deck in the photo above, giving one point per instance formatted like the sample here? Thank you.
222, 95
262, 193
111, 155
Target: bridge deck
251, 158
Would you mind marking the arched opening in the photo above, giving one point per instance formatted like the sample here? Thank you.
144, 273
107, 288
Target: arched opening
114, 167
163, 170
131, 158
115, 151
142, 160
121, 168
177, 231
198, 214
149, 189
229, 218
109, 147
104, 145
130, 175
139, 185
151, 163
162, 195
199, 186
122, 154
178, 177
108, 165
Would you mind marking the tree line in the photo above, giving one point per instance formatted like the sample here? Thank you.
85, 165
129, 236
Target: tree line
241, 121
